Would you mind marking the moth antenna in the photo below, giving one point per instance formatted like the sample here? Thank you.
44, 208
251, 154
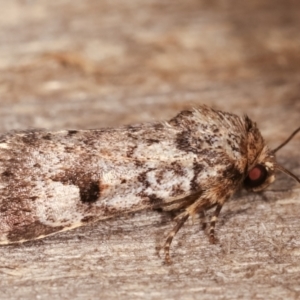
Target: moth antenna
286, 141
287, 172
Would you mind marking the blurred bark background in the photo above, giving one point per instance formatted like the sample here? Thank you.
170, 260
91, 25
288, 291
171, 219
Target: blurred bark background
91, 64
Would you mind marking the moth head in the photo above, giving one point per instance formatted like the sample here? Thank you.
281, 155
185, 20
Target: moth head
262, 172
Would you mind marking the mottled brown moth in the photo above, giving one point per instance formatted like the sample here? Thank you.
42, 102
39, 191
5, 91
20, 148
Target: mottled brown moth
55, 181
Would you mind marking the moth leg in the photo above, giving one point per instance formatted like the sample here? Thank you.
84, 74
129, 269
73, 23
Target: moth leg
213, 221
180, 221
203, 219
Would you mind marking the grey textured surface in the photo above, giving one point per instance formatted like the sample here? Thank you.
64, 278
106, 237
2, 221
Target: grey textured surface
92, 64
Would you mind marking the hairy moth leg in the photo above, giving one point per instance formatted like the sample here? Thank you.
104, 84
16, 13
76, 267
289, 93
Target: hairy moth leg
202, 217
213, 221
180, 221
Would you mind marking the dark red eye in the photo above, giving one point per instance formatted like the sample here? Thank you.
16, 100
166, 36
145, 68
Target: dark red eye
256, 177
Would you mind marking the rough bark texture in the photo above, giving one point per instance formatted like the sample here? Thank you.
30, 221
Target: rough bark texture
91, 64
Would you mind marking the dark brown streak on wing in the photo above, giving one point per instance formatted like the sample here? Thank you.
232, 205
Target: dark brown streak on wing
31, 231
89, 189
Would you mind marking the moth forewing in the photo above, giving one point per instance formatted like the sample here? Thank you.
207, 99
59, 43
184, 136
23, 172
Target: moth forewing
54, 181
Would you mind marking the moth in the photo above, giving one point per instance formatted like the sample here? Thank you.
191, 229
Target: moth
55, 181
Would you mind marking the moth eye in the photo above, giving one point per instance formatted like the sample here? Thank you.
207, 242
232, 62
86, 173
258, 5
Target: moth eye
256, 176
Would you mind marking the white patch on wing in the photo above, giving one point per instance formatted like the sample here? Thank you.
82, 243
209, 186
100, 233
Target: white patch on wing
61, 208
122, 201
4, 146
